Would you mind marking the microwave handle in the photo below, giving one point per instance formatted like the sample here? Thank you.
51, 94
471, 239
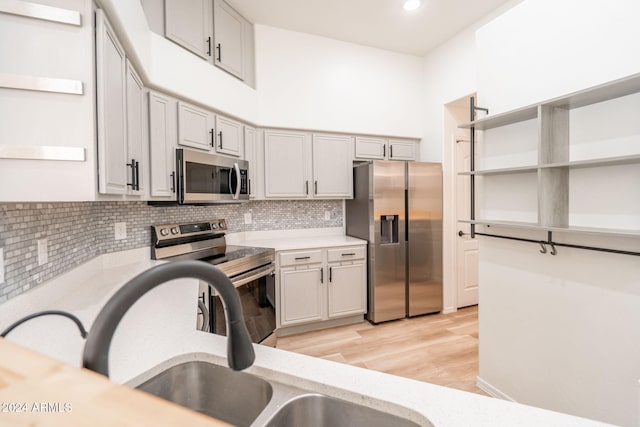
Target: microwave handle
238, 183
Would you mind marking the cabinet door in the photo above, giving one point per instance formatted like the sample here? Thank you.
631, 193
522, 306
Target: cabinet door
135, 131
251, 155
287, 164
195, 127
402, 150
229, 137
370, 148
112, 132
301, 295
162, 144
347, 289
229, 32
332, 166
188, 23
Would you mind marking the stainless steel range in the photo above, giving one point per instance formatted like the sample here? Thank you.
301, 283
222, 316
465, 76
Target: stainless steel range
250, 269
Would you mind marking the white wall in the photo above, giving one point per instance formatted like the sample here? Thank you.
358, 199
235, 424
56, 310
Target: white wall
561, 332
310, 82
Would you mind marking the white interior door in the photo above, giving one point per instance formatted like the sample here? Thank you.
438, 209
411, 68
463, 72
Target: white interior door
466, 247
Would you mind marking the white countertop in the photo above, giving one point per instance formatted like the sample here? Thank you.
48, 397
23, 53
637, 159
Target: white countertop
159, 330
282, 240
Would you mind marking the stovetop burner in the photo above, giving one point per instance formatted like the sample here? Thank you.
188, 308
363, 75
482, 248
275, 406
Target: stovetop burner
206, 241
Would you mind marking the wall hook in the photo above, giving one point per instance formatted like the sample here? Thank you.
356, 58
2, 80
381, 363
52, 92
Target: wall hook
543, 247
553, 249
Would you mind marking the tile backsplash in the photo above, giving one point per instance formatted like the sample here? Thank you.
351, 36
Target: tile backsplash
79, 231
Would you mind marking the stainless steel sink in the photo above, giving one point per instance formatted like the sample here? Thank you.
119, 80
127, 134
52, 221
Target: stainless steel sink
235, 397
318, 410
243, 399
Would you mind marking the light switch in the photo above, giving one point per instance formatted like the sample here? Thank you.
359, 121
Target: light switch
327, 215
247, 218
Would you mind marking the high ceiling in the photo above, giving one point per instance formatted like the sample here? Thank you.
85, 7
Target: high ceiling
378, 23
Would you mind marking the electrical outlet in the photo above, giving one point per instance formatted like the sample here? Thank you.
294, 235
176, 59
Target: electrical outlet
43, 252
327, 215
120, 230
1, 265
247, 218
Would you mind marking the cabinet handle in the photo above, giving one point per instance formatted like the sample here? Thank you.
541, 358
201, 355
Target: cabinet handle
209, 46
330, 271
219, 48
315, 187
322, 275
384, 151
306, 183
213, 142
349, 254
173, 182
249, 186
137, 175
302, 257
134, 175
391, 151
220, 137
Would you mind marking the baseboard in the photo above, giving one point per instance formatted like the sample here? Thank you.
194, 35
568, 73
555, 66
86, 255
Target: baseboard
447, 310
308, 327
491, 390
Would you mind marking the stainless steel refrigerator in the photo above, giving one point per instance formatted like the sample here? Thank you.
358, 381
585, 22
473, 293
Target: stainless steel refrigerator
397, 208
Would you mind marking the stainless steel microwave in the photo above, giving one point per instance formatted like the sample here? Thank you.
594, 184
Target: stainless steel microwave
209, 178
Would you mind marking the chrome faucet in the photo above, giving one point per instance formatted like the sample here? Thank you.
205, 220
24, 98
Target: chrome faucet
240, 352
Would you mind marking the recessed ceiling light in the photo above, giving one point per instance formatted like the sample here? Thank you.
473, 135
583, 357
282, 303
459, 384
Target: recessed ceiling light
410, 5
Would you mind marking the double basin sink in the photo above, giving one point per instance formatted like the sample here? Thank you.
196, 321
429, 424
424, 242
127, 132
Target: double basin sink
244, 399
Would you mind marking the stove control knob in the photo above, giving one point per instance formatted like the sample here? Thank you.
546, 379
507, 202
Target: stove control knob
214, 225
175, 230
164, 231
221, 224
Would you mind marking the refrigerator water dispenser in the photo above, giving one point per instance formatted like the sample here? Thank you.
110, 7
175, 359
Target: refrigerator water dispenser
388, 229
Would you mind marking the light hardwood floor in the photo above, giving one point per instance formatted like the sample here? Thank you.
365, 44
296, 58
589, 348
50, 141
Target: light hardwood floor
437, 348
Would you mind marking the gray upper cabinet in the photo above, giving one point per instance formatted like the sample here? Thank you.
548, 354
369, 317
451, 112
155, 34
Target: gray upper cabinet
229, 137
136, 135
120, 115
229, 36
332, 166
400, 149
376, 148
162, 144
195, 127
188, 23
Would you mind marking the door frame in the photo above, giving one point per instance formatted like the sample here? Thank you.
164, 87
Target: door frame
453, 117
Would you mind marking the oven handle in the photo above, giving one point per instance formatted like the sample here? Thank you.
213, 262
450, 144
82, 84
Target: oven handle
252, 275
238, 183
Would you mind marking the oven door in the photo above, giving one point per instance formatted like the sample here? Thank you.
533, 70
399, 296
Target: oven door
207, 178
258, 308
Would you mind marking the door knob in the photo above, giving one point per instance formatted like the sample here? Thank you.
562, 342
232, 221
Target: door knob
460, 233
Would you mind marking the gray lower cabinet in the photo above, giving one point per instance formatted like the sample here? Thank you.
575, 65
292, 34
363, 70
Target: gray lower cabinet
120, 116
317, 285
162, 145
229, 29
188, 23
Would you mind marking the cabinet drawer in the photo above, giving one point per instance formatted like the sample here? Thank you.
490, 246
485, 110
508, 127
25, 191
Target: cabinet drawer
346, 254
300, 257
